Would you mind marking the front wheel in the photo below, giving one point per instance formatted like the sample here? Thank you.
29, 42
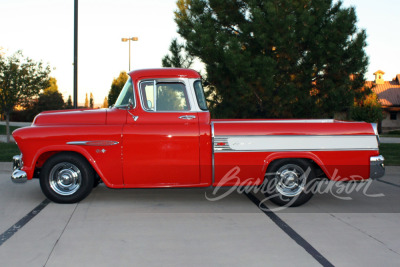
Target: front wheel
66, 178
289, 182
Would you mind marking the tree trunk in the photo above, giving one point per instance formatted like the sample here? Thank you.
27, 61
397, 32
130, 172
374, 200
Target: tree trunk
8, 126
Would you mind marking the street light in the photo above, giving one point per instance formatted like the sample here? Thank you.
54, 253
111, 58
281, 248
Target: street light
130, 39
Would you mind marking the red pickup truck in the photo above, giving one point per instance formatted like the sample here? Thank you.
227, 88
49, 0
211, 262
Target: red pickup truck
159, 134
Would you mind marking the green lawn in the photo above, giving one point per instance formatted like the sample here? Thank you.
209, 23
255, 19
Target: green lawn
395, 133
391, 153
3, 129
8, 150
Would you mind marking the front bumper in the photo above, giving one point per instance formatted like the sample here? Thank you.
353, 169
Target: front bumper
377, 167
18, 176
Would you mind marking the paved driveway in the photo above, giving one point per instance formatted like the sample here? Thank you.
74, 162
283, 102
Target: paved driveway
180, 227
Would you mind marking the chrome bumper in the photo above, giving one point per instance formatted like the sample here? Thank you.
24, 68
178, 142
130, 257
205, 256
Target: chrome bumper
377, 168
18, 176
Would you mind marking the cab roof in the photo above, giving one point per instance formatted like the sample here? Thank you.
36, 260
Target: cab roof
164, 73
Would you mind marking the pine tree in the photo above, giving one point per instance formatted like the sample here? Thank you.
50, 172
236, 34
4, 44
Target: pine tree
276, 58
69, 103
91, 101
178, 58
86, 101
105, 103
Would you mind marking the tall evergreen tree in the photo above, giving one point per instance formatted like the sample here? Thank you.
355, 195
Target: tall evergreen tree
91, 101
86, 101
177, 58
69, 103
105, 103
277, 58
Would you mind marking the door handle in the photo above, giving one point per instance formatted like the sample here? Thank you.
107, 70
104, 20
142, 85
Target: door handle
187, 117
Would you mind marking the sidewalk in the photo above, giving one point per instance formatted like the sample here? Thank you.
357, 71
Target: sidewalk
3, 138
390, 140
14, 123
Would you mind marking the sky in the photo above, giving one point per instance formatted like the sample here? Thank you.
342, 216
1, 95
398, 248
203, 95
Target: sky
43, 30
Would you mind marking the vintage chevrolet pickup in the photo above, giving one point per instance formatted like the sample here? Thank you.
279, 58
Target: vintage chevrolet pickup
159, 134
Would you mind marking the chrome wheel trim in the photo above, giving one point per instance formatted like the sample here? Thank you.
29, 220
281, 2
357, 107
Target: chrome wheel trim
291, 180
65, 178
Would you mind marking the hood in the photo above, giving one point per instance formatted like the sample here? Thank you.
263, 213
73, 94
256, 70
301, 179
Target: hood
71, 117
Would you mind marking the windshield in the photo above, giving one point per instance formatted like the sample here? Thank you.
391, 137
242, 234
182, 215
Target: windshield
125, 95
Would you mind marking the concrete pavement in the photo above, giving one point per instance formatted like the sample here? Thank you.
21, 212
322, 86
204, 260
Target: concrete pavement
179, 227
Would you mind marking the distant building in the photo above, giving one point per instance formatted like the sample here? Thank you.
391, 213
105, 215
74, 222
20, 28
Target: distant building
389, 97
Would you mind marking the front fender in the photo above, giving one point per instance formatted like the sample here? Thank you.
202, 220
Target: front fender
103, 170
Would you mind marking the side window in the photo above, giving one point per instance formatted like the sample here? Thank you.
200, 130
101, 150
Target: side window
147, 91
164, 96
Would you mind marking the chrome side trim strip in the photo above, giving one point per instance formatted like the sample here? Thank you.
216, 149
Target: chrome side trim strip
295, 150
81, 143
213, 163
298, 135
94, 143
295, 143
282, 121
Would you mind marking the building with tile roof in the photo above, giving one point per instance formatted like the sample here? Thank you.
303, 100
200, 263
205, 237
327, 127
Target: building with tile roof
389, 97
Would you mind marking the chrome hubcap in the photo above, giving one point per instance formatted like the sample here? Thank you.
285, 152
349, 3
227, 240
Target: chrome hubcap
65, 178
290, 180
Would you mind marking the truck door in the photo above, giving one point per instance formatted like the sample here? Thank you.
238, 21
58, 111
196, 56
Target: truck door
161, 147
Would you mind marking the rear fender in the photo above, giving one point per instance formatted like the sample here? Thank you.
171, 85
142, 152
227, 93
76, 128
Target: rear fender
298, 155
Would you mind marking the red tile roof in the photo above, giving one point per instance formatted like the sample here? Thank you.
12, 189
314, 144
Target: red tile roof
388, 93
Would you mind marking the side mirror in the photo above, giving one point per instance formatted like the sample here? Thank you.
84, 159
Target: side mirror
130, 103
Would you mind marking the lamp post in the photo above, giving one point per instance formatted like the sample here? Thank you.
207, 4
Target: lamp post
75, 54
130, 39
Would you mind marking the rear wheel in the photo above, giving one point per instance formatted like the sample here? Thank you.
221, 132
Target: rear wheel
66, 178
290, 181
